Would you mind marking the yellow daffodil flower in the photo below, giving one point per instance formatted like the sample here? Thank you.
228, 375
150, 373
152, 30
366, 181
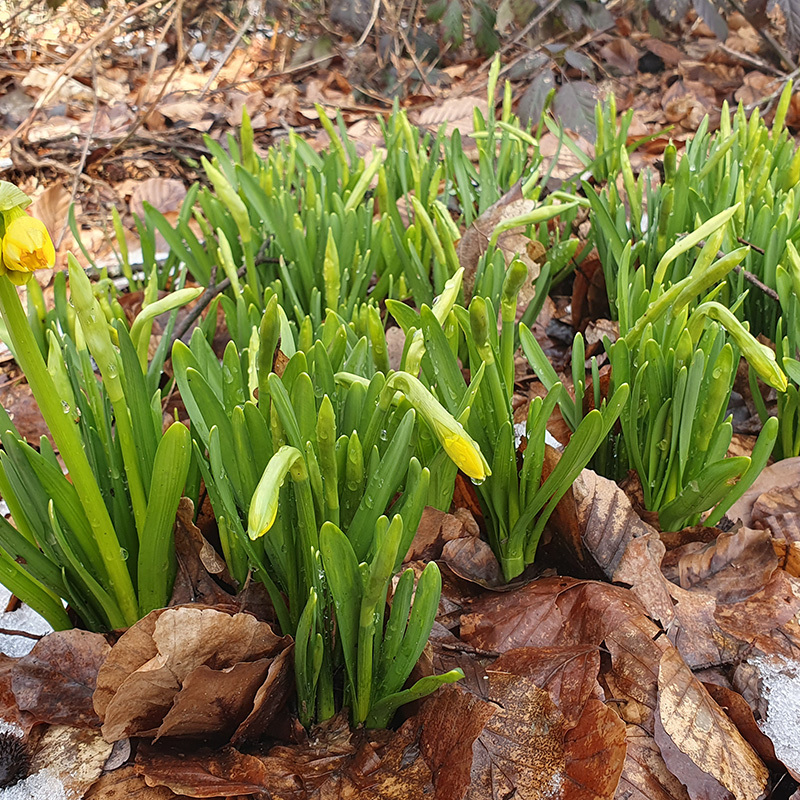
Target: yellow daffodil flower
26, 247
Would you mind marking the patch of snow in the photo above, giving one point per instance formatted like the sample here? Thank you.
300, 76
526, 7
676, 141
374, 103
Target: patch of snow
780, 682
40, 785
23, 619
519, 433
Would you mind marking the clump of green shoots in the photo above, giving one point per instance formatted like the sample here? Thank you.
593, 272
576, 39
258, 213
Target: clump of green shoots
321, 496
101, 537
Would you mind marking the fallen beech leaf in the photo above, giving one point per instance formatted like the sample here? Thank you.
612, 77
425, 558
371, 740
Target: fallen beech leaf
9, 709
732, 567
164, 194
687, 616
513, 243
636, 647
125, 784
620, 53
775, 503
606, 521
203, 773
197, 562
455, 113
270, 698
775, 478
189, 671
547, 612
430, 756
700, 744
192, 715
57, 679
741, 715
569, 674
776, 604
474, 560
435, 530
645, 775
529, 750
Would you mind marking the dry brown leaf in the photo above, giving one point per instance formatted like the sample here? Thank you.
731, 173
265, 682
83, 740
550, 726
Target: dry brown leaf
164, 194
645, 775
567, 164
435, 529
700, 745
456, 113
741, 715
52, 207
68, 89
606, 522
473, 560
430, 756
125, 784
56, 680
513, 243
774, 479
547, 612
620, 53
189, 671
528, 749
732, 567
203, 773
197, 562
9, 710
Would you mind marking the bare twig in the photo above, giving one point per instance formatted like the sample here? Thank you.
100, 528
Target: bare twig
767, 37
748, 276
175, 17
373, 17
84, 154
243, 28
422, 74
25, 634
551, 6
751, 60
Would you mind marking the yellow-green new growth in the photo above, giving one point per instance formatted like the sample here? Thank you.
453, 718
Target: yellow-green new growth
264, 505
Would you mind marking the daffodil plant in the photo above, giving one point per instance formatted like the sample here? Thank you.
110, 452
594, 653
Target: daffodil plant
517, 502
99, 538
320, 496
680, 360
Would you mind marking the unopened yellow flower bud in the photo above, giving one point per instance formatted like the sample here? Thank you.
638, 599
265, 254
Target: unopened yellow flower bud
27, 246
264, 503
456, 442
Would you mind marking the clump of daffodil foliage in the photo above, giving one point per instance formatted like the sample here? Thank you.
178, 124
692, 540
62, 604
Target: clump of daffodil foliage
100, 537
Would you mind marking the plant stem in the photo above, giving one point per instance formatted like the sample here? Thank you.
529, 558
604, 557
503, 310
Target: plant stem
65, 433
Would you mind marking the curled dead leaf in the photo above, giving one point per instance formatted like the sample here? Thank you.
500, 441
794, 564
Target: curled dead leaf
192, 671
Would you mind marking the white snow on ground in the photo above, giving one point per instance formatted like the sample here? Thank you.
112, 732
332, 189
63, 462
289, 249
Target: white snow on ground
42, 785
519, 433
23, 619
